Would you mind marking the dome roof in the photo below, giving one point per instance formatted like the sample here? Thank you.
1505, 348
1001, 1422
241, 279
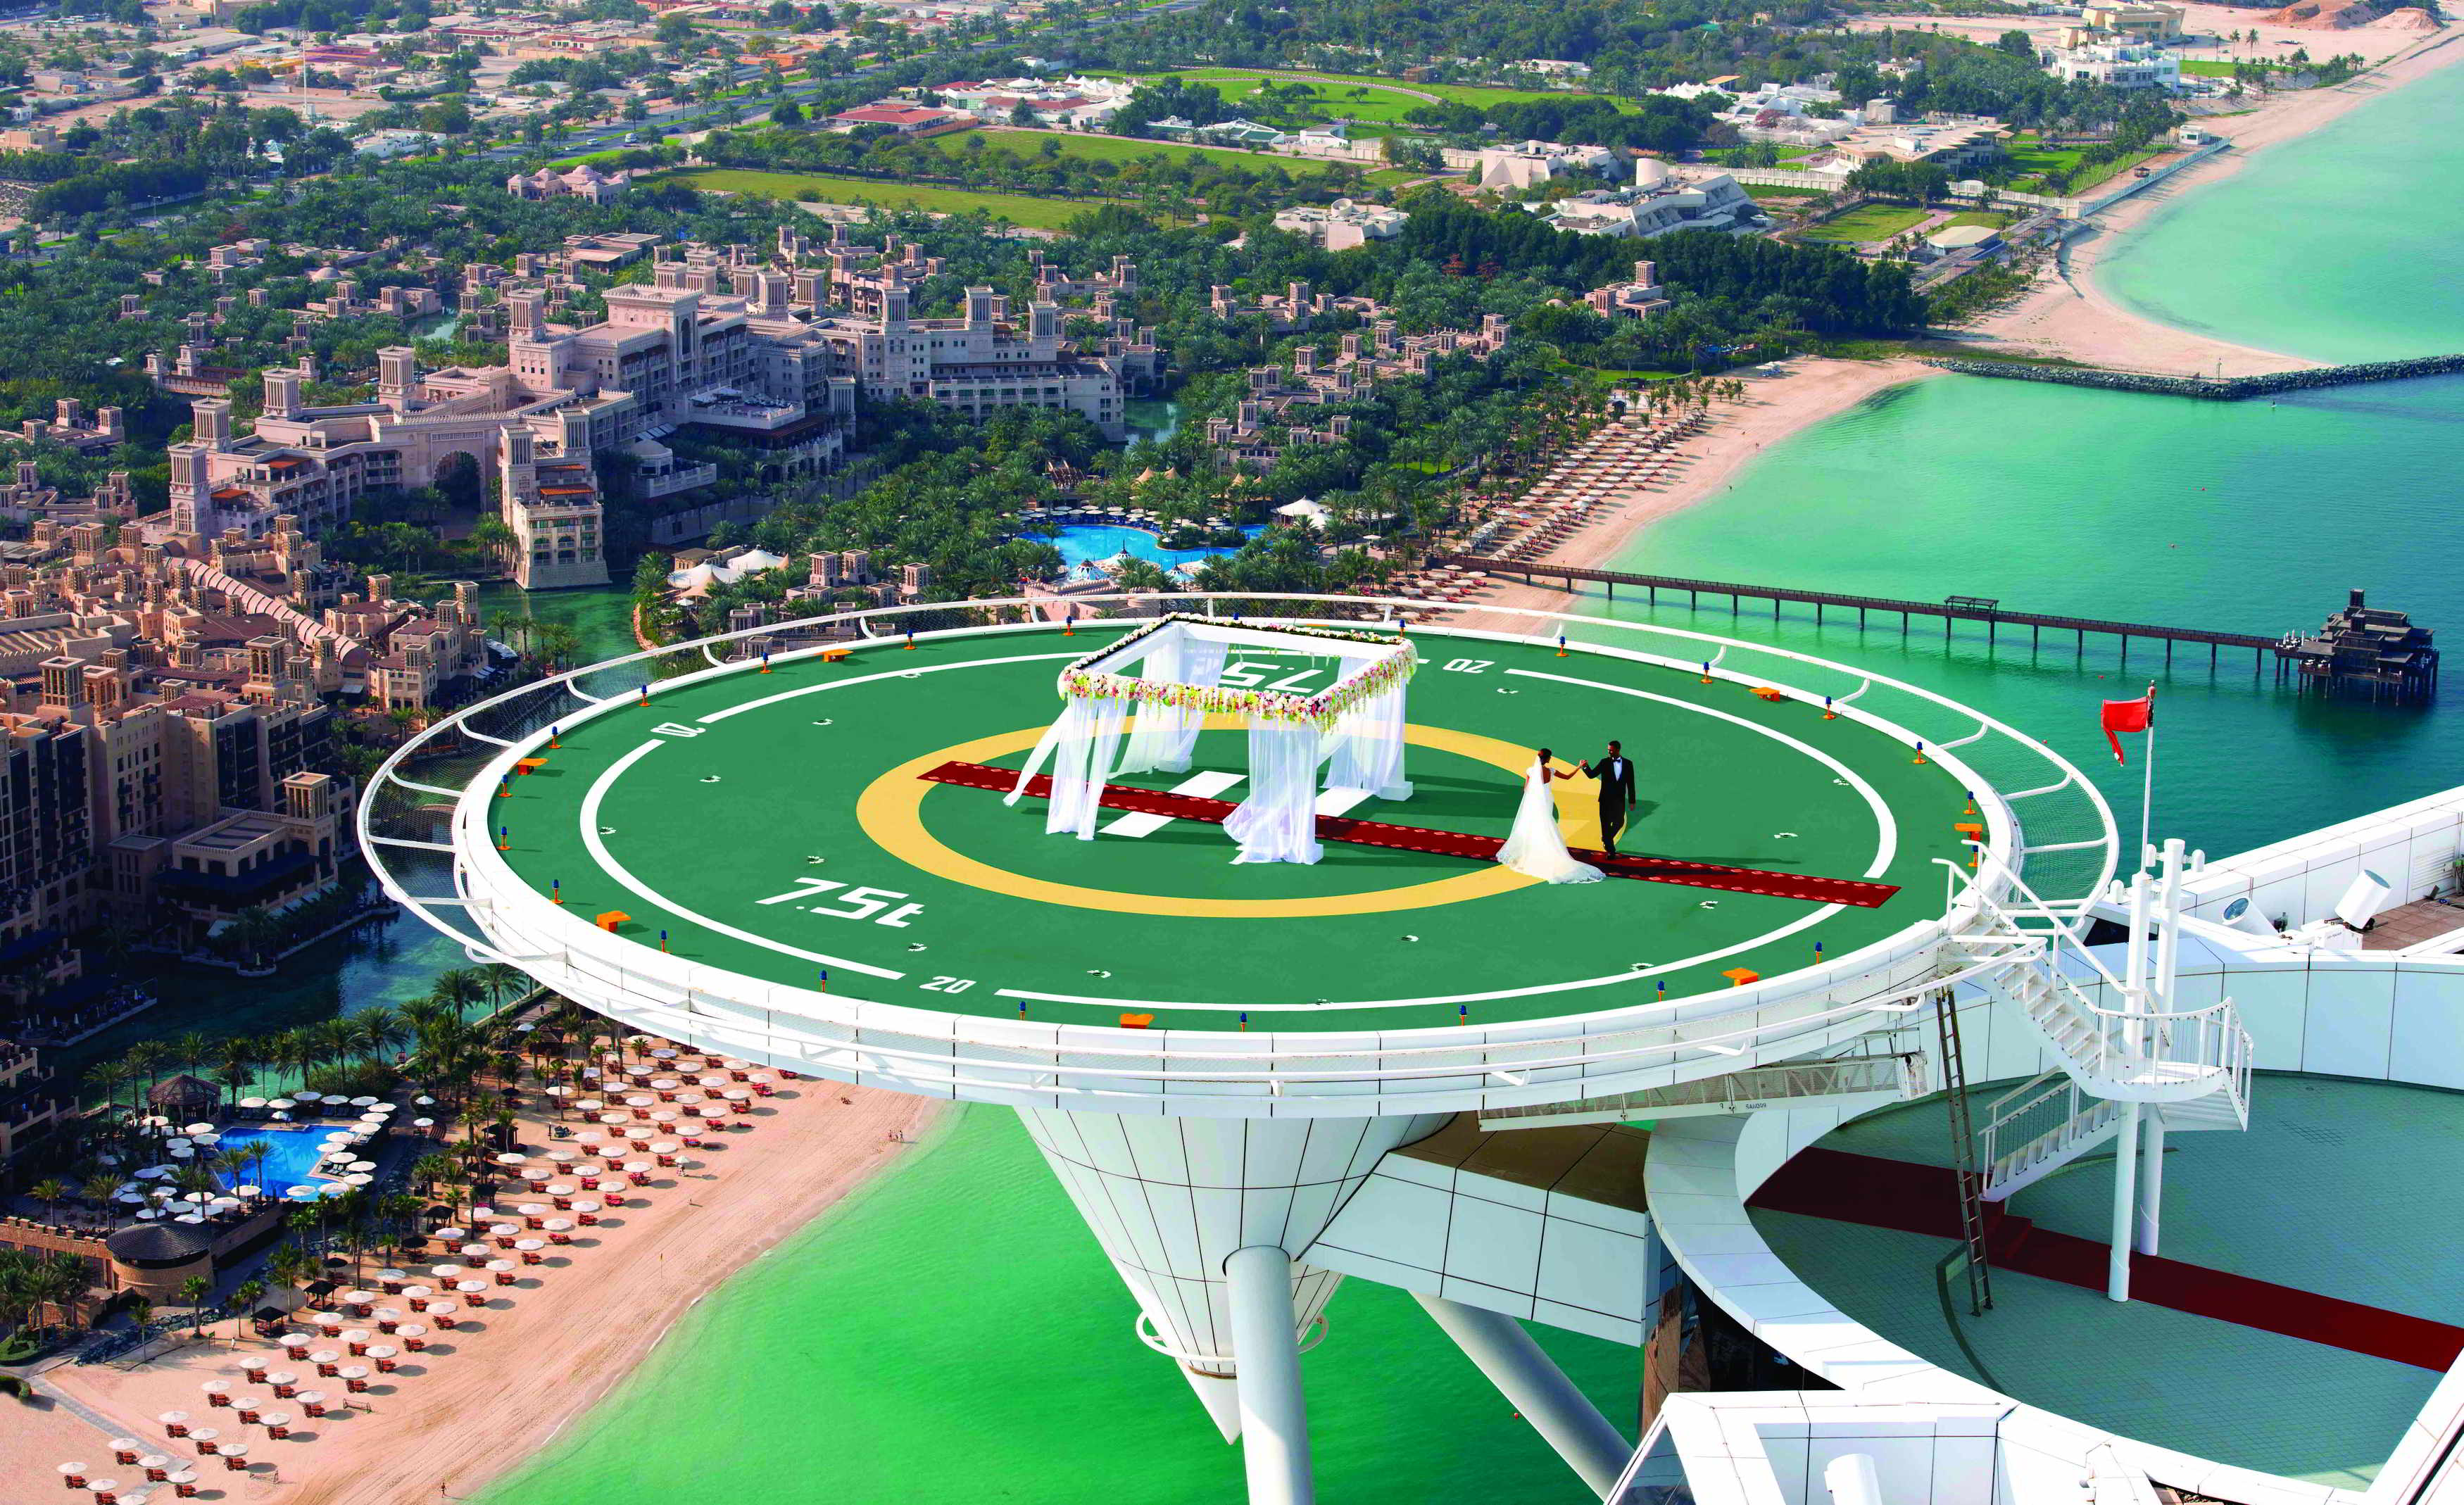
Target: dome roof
158, 1243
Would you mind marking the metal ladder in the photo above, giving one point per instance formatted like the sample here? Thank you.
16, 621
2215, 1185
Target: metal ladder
1963, 1146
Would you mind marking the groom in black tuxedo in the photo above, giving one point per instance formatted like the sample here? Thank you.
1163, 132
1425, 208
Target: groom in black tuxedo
1615, 774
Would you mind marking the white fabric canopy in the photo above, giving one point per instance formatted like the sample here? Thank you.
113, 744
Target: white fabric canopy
1367, 747
1170, 673
1278, 822
1166, 734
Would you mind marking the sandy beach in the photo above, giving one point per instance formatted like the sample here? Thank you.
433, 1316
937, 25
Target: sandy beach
485, 1397
2065, 315
1775, 405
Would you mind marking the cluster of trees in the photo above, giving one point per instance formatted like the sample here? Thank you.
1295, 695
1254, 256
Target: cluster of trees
1632, 50
1226, 184
1657, 122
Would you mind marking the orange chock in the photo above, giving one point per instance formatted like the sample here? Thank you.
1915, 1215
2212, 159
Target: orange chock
1739, 977
610, 920
1136, 1021
1971, 832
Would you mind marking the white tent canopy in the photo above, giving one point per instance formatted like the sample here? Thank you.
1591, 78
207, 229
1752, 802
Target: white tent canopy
1171, 674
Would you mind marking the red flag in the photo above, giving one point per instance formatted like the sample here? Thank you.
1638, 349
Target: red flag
2129, 715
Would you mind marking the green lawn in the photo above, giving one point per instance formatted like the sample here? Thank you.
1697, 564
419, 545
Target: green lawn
2034, 158
1867, 222
1991, 219
1245, 79
1767, 190
1016, 208
1124, 148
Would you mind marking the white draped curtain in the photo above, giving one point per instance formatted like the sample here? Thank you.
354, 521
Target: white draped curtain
1278, 822
1367, 747
1165, 735
1082, 746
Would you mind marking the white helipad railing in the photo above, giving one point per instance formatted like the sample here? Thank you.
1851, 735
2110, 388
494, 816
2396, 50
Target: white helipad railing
424, 825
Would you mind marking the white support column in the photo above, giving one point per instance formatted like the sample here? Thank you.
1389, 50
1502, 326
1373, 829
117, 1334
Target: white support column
1526, 1376
1274, 1412
2147, 1226
1171, 1198
2151, 1182
2126, 1204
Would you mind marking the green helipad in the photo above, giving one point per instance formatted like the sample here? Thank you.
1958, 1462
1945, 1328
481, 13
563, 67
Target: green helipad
776, 825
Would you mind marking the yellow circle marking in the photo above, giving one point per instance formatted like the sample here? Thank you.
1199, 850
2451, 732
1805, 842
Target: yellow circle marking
890, 811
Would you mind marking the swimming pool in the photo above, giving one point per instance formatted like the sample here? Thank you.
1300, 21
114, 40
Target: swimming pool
1082, 544
291, 1159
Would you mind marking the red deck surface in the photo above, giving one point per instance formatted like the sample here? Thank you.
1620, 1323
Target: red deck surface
1925, 1199
1444, 844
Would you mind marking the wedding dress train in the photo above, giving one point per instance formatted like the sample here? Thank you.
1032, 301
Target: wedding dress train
1535, 847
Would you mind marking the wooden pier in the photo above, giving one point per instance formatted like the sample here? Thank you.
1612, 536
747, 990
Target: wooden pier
1950, 609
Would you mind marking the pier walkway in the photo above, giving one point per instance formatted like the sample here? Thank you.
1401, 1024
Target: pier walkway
1950, 609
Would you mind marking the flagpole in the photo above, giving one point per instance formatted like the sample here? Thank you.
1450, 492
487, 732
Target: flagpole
2147, 788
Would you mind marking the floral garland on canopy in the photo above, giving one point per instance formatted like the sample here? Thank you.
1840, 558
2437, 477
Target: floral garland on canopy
1079, 681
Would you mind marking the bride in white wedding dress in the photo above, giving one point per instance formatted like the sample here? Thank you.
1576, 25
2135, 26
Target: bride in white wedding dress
1535, 847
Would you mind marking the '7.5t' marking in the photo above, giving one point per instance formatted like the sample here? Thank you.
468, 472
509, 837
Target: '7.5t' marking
856, 903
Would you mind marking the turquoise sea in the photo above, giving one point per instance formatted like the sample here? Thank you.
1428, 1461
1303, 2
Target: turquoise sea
954, 1334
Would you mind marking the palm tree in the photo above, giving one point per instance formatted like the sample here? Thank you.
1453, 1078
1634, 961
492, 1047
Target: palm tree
245, 1296
108, 1076
254, 1151
145, 1060
459, 988
61, 1282
381, 1029
502, 980
193, 1292
50, 1191
191, 1050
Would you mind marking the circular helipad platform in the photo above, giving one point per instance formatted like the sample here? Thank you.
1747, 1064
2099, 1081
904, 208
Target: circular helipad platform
835, 824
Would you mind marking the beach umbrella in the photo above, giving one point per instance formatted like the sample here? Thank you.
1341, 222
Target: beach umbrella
198, 1128
558, 1225
471, 1288
532, 1209
326, 1355
177, 1142
424, 1101
104, 1486
563, 1153
310, 1097
251, 1103
510, 1159
198, 1197
357, 1178
72, 1470
423, 1124
474, 1251
562, 1189
664, 1146
189, 1218
300, 1193
419, 1290
363, 1102
224, 1202
130, 1198
448, 1272
281, 1103
361, 1165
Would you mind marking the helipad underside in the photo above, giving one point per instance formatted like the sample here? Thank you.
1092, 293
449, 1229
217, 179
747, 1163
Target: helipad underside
775, 825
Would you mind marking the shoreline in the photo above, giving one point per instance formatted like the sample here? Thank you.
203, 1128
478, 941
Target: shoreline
2063, 316
441, 1428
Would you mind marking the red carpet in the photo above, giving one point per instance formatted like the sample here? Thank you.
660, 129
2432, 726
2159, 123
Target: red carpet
1445, 844
1925, 1199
